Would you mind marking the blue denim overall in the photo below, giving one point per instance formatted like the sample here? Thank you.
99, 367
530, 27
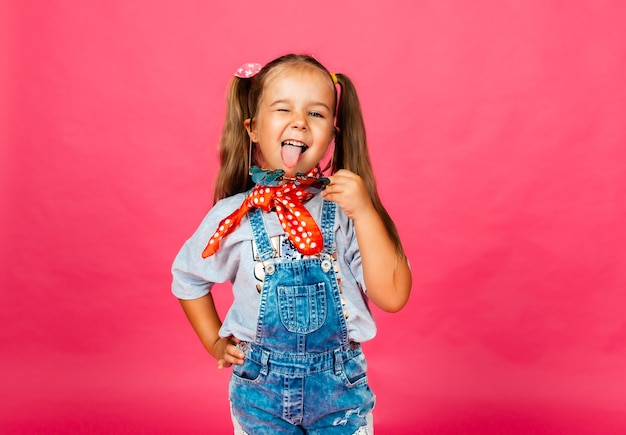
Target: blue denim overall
302, 374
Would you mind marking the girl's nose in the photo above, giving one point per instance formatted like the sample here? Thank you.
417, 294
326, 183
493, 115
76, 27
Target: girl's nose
298, 121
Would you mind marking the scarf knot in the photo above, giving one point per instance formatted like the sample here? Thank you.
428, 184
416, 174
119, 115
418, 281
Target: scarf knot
287, 199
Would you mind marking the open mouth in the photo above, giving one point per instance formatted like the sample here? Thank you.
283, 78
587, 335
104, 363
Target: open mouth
295, 143
291, 150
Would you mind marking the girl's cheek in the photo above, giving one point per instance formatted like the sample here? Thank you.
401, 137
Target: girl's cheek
258, 157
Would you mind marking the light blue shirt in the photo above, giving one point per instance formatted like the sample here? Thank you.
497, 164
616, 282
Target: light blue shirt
234, 262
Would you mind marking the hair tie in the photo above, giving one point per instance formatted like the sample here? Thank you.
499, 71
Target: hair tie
334, 77
248, 70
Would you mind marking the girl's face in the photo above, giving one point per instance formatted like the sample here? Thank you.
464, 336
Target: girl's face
294, 121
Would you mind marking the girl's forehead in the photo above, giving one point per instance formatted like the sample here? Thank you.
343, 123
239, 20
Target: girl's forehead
306, 74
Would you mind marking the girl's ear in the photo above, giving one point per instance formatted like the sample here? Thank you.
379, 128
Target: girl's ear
249, 124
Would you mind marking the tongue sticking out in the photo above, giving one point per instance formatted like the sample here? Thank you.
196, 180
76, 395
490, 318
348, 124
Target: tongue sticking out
290, 155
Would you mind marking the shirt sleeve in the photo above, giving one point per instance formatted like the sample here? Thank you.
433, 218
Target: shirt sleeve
351, 253
194, 276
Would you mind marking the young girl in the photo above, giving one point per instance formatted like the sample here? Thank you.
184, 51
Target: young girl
304, 253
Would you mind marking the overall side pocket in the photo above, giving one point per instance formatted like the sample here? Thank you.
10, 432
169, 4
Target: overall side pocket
354, 371
247, 373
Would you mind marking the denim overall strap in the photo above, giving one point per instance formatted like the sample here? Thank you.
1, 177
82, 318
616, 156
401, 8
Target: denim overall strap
329, 209
263, 244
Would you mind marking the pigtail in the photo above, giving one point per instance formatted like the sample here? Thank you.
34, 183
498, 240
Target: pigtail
351, 151
233, 175
351, 143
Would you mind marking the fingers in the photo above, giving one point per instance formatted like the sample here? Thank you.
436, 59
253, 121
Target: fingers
341, 176
232, 354
339, 182
222, 364
348, 190
342, 182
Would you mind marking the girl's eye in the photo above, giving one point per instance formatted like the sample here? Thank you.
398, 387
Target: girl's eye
316, 114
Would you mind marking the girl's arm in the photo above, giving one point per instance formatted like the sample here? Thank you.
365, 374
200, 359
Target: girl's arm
387, 275
205, 321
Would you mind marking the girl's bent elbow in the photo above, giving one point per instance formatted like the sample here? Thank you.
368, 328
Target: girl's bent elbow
392, 305
395, 307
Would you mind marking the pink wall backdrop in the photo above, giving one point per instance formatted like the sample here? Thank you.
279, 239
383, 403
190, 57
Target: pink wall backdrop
498, 135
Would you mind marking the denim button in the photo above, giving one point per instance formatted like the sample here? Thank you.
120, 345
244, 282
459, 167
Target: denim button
326, 265
270, 268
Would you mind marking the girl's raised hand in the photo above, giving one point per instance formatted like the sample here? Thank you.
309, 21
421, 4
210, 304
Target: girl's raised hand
348, 190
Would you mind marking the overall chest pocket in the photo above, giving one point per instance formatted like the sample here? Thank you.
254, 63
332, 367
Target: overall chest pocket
302, 307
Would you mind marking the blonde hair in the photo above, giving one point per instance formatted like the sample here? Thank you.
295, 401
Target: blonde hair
350, 151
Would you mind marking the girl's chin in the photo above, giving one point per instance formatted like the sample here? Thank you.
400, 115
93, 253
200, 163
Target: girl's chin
290, 171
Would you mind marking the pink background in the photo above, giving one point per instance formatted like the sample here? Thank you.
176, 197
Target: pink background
498, 136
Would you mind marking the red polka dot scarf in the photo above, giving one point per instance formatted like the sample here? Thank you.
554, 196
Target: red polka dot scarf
287, 198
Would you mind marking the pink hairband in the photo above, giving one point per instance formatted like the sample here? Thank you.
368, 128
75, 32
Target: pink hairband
250, 69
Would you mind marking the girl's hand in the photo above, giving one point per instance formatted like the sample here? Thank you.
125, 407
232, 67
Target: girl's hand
348, 190
227, 353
